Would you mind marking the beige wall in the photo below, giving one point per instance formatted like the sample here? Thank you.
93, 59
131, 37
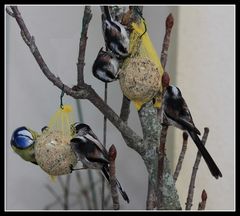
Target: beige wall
205, 74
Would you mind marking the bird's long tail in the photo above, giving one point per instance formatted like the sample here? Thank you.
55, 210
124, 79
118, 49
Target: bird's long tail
207, 157
122, 192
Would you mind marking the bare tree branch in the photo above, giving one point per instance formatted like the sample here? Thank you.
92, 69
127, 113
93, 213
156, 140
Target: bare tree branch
194, 172
104, 141
161, 150
166, 40
181, 156
84, 191
160, 173
66, 192
87, 16
65, 188
50, 205
58, 198
89, 171
10, 12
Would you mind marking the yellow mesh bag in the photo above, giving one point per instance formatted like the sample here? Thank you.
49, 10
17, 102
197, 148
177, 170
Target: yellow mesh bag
141, 74
52, 150
62, 120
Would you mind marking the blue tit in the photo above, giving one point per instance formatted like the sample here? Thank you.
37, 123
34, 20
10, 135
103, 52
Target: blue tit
115, 35
177, 113
106, 66
22, 142
90, 151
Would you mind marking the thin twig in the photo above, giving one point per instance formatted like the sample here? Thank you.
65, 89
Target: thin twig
125, 109
161, 151
104, 142
10, 12
87, 16
87, 198
160, 171
65, 188
202, 204
61, 182
194, 172
89, 172
181, 156
16, 14
58, 198
66, 192
164, 54
84, 191
112, 178
166, 40
48, 206
92, 189
107, 199
104, 122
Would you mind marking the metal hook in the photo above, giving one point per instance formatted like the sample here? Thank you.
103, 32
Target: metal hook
61, 97
145, 26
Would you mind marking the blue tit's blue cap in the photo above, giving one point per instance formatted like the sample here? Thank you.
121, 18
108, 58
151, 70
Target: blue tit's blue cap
22, 138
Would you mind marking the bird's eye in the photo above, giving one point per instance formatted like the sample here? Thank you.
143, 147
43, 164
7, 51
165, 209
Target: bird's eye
44, 128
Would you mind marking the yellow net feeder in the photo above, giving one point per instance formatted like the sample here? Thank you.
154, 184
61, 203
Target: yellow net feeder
141, 74
52, 150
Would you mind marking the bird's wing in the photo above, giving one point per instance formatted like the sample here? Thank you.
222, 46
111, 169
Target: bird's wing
181, 115
89, 148
186, 118
188, 125
92, 137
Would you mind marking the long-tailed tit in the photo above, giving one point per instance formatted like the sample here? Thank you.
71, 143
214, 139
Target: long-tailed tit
115, 35
90, 151
105, 66
177, 114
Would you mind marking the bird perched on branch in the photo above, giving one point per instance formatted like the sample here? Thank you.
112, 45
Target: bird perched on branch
115, 35
106, 66
177, 114
90, 151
